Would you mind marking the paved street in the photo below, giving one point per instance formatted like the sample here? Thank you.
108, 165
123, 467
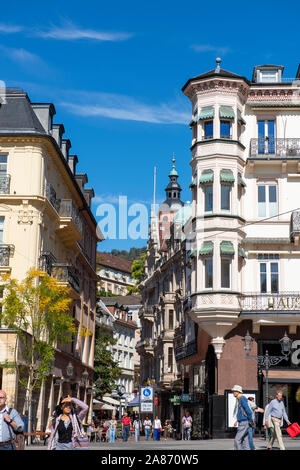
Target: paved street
212, 444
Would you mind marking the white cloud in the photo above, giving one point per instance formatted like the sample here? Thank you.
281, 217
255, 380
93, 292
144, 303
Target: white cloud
114, 106
10, 29
69, 32
211, 48
25, 59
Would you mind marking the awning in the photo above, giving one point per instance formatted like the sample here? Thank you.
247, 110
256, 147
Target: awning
110, 400
226, 112
207, 248
285, 376
226, 176
207, 112
105, 406
240, 119
241, 182
194, 181
134, 402
226, 248
207, 176
241, 252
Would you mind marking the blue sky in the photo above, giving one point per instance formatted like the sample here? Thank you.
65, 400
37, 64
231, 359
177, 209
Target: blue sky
114, 71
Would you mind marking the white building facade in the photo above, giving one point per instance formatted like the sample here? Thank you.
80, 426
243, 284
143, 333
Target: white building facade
245, 160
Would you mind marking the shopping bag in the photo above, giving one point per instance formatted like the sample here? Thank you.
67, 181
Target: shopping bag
293, 430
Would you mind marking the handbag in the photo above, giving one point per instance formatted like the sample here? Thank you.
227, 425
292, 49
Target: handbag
293, 430
81, 440
18, 442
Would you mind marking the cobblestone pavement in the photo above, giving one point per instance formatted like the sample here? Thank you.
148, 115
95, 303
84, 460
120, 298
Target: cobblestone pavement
170, 444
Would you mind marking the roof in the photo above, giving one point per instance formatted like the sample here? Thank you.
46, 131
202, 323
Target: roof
17, 115
213, 73
124, 299
115, 262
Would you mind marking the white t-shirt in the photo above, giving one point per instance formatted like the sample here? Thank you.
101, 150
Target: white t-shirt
157, 424
147, 423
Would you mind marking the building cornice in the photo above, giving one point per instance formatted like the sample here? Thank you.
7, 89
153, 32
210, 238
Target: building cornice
222, 141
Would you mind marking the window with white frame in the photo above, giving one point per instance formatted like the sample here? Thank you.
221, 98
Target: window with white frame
208, 198
208, 268
225, 196
268, 273
267, 196
225, 272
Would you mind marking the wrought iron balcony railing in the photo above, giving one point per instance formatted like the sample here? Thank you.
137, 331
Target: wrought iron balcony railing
68, 209
295, 225
4, 184
46, 261
185, 350
5, 252
273, 147
51, 196
65, 272
270, 302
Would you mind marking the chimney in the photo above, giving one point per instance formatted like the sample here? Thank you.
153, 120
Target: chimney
65, 147
57, 131
88, 195
73, 160
45, 113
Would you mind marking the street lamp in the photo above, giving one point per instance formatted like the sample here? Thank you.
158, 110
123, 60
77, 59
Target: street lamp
265, 361
85, 376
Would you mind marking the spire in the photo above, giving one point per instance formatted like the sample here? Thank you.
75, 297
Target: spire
173, 171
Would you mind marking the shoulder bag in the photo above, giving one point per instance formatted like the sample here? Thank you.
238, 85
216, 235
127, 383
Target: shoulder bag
18, 442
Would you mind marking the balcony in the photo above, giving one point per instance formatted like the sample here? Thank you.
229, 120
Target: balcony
70, 224
295, 227
179, 331
145, 346
275, 148
6, 251
4, 184
68, 276
186, 350
281, 302
147, 313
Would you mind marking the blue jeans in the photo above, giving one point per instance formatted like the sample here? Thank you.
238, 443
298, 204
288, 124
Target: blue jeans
147, 433
156, 434
112, 435
250, 434
137, 434
7, 447
126, 432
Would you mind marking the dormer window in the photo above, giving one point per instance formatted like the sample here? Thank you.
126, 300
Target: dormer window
267, 74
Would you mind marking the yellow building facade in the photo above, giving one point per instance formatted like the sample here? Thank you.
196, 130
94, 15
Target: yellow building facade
46, 222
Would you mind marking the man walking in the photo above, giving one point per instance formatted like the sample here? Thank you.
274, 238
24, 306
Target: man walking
147, 427
276, 412
8, 418
243, 416
125, 427
254, 409
137, 426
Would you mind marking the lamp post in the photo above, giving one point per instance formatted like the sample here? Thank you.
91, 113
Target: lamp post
265, 361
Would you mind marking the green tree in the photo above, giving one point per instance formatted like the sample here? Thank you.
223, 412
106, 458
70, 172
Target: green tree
37, 308
138, 268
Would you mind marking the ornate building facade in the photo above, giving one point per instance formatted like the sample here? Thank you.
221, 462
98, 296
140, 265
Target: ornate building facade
47, 223
245, 158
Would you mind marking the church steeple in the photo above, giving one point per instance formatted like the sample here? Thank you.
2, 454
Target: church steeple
173, 189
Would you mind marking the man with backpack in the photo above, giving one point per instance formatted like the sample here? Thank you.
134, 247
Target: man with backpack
243, 416
10, 424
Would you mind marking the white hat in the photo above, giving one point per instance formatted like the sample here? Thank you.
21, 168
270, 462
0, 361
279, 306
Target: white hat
237, 388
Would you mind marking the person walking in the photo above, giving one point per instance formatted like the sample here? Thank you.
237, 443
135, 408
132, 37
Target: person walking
147, 427
10, 423
157, 428
65, 426
187, 426
269, 430
137, 425
243, 416
275, 413
112, 426
254, 409
125, 427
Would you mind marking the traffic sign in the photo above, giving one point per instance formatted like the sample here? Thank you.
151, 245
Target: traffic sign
146, 394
